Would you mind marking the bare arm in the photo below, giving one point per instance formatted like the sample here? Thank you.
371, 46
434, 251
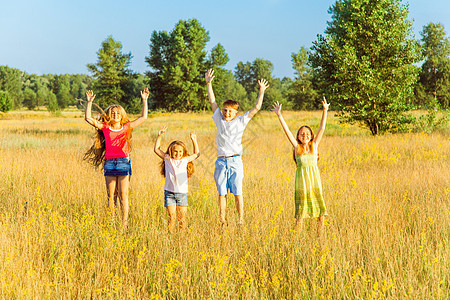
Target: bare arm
157, 150
263, 85
212, 99
277, 110
323, 122
143, 117
196, 150
88, 112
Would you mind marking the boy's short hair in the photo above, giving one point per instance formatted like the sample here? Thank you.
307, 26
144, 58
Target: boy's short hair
231, 103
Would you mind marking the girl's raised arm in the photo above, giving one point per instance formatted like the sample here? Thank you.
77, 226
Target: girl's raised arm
277, 110
88, 112
195, 144
323, 122
143, 117
157, 150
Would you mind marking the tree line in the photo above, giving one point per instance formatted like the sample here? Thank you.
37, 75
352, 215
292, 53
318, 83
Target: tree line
367, 62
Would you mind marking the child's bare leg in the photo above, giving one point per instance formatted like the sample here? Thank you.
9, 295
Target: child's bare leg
123, 184
171, 217
320, 221
182, 220
222, 208
111, 185
240, 208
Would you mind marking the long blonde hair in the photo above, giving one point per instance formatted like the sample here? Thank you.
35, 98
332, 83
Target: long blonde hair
299, 151
190, 165
96, 153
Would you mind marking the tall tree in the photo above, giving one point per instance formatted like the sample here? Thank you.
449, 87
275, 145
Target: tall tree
365, 62
11, 82
178, 61
248, 74
434, 77
301, 93
112, 74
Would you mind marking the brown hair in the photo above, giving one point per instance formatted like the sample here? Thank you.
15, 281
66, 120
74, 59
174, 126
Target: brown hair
299, 149
231, 103
190, 165
96, 153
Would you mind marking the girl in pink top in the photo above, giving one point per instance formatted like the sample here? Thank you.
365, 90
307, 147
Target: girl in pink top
112, 148
176, 167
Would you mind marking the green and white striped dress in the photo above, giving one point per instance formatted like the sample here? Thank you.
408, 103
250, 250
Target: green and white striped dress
309, 201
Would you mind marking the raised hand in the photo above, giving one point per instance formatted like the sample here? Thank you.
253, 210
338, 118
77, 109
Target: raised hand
193, 136
90, 96
325, 104
277, 108
209, 76
162, 130
263, 85
144, 94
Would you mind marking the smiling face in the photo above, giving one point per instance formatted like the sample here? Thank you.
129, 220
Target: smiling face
304, 135
116, 115
229, 113
177, 152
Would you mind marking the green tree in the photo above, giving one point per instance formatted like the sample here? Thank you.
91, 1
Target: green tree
434, 77
29, 98
248, 75
11, 82
178, 62
6, 103
365, 63
52, 105
112, 74
301, 93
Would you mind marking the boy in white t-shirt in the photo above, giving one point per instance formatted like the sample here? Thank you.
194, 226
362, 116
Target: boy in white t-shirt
229, 172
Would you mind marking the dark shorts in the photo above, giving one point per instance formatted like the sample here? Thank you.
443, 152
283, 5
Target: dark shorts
178, 199
117, 167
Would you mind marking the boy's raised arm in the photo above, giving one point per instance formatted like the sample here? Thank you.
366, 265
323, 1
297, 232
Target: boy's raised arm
263, 85
212, 99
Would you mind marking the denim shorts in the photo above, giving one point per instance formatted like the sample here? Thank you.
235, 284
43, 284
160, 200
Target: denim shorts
178, 199
229, 174
117, 167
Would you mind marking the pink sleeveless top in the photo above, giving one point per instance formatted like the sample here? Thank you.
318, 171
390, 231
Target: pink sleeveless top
116, 142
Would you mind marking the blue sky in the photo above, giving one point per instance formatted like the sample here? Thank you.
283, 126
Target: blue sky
59, 36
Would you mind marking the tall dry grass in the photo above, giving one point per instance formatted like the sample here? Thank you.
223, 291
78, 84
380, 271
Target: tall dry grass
386, 236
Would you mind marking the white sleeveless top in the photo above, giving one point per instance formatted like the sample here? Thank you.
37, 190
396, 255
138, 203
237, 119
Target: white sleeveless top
176, 175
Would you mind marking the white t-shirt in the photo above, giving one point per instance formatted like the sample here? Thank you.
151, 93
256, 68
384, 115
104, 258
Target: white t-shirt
229, 133
176, 175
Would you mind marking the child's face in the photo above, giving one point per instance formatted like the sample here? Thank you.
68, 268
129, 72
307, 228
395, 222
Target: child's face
116, 117
177, 152
304, 135
229, 113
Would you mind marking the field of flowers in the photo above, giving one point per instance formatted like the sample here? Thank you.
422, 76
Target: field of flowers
387, 234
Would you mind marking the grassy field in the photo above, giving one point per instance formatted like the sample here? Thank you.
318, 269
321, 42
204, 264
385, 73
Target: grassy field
386, 236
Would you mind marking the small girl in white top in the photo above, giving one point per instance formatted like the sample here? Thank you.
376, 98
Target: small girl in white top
176, 167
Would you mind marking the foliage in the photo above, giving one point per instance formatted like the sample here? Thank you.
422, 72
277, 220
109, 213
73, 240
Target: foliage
112, 74
6, 102
178, 61
11, 82
434, 77
301, 93
248, 74
365, 61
